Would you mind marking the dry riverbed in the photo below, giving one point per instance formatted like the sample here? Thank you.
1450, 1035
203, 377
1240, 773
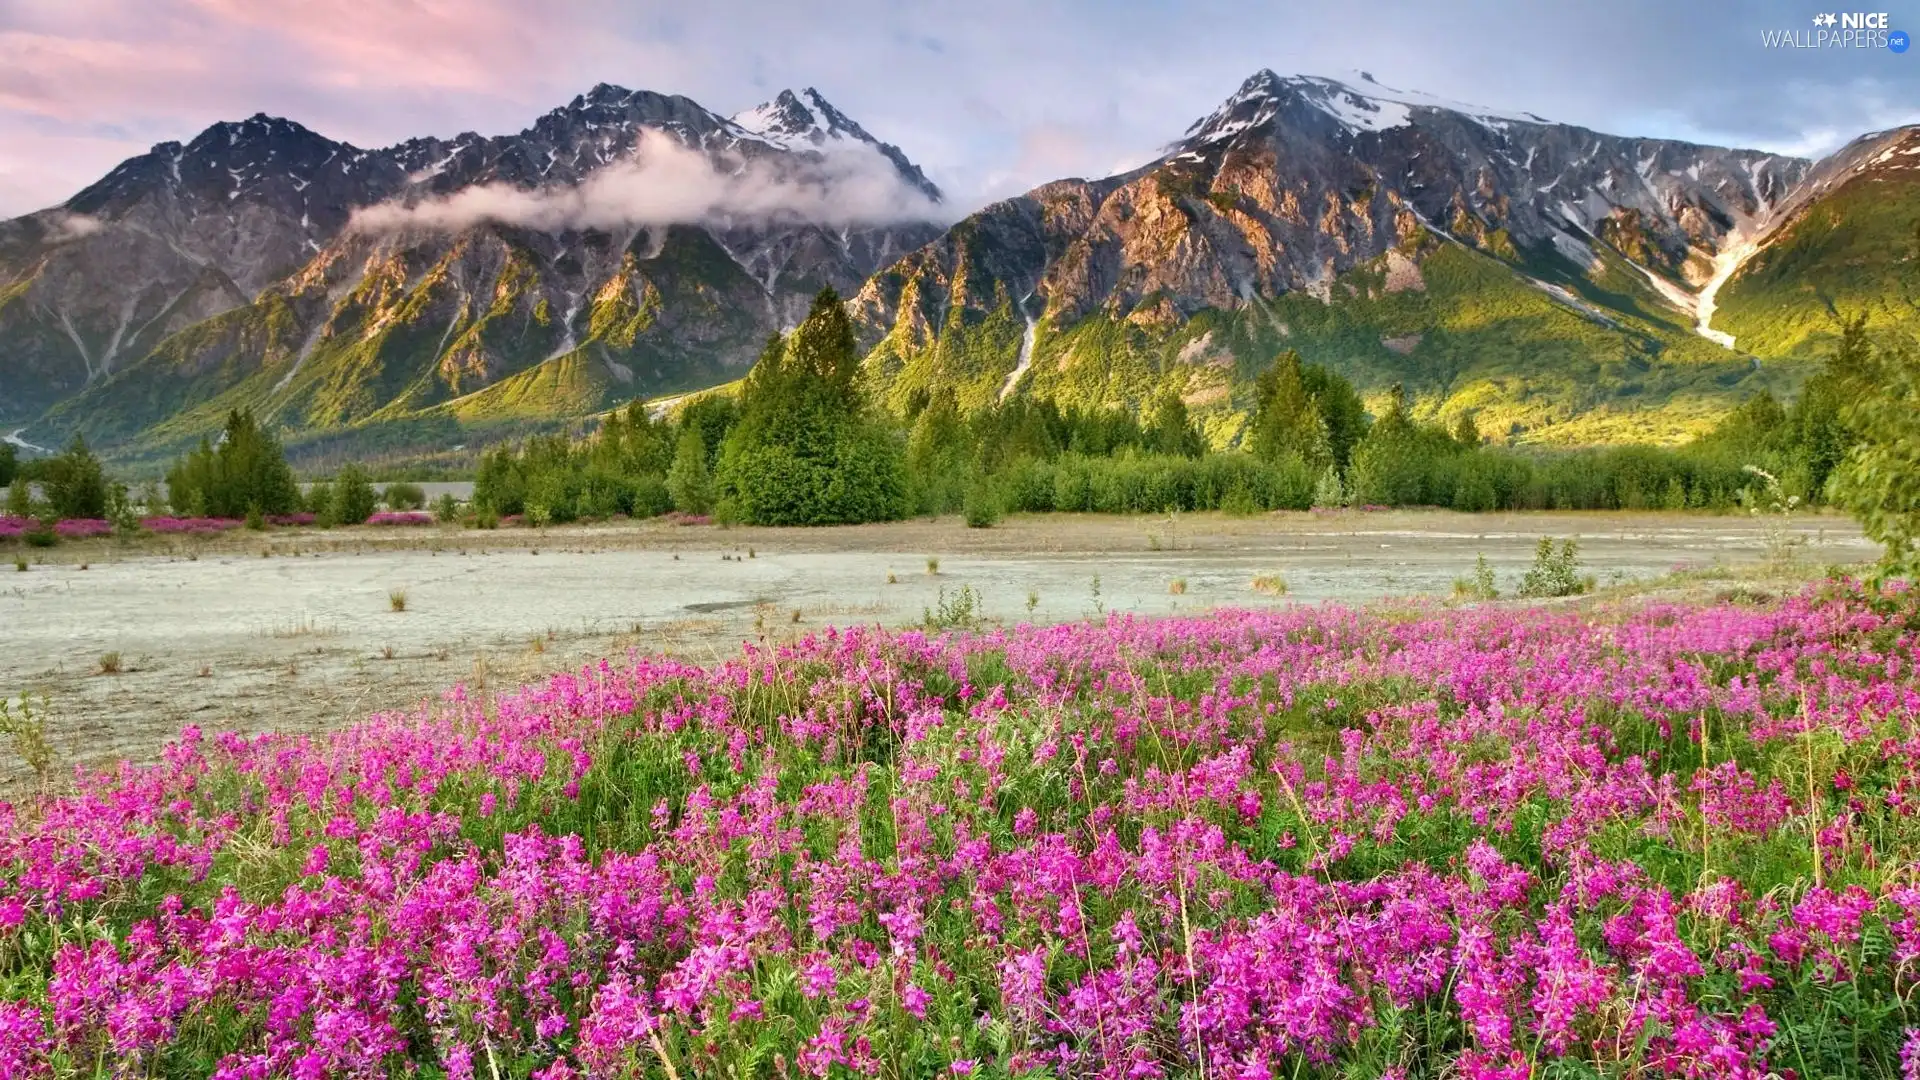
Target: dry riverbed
297, 629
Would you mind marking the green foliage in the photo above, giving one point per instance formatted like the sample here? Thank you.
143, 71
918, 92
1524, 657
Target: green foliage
938, 458
446, 509
1287, 418
712, 415
20, 497
121, 511
959, 610
1554, 572
1480, 586
1466, 432
805, 450
554, 480
1171, 430
246, 472
9, 464
1401, 463
76, 486
1328, 491
1135, 483
983, 506
1305, 411
689, 481
319, 502
401, 495
352, 500
1879, 480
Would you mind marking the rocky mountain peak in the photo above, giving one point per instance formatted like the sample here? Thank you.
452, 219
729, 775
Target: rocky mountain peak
1354, 103
808, 121
807, 118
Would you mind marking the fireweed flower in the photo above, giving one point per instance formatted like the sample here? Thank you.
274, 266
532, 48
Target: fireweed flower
1255, 843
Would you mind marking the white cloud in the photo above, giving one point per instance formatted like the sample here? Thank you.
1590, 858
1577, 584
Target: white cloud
666, 183
63, 226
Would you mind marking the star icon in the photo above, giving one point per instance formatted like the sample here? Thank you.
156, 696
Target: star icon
1830, 19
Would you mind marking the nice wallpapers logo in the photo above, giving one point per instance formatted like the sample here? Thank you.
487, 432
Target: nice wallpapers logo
1841, 30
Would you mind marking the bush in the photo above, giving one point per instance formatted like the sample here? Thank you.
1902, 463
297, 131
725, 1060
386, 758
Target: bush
1554, 573
404, 496
319, 502
1480, 586
689, 481
75, 484
247, 471
649, 497
352, 498
982, 509
446, 509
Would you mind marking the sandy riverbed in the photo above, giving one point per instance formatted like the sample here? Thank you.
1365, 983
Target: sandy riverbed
295, 629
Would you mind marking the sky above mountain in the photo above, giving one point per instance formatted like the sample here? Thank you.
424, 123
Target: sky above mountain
989, 97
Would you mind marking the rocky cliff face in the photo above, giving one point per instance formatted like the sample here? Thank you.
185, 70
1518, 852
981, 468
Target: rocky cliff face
1340, 193
233, 270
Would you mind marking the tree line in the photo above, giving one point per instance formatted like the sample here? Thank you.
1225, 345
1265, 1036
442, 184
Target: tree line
803, 443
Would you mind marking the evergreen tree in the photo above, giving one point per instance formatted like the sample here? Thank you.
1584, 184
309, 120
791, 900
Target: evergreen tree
1340, 406
1287, 419
1879, 480
1171, 431
805, 450
712, 415
245, 474
353, 500
1466, 431
689, 482
9, 464
937, 456
76, 486
1395, 465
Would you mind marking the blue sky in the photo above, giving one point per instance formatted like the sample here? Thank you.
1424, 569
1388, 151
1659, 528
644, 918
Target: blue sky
990, 97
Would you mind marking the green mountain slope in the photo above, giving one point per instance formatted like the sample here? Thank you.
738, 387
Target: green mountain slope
1853, 248
485, 326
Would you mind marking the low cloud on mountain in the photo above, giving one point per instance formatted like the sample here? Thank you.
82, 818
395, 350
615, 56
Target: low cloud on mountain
666, 183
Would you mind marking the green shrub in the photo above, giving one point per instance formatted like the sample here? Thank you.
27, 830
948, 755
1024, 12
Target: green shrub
1554, 572
959, 610
352, 499
247, 471
404, 496
76, 486
689, 481
983, 508
319, 502
446, 509
1480, 586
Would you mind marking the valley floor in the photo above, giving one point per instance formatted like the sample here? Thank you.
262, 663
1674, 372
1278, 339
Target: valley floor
294, 630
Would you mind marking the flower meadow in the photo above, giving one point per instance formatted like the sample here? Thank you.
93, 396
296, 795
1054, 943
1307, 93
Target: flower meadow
1647, 840
401, 517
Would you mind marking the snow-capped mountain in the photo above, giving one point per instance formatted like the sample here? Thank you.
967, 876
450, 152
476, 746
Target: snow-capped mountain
228, 266
1562, 284
1558, 279
808, 121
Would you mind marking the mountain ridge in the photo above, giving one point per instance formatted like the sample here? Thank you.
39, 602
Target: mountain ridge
258, 217
1562, 284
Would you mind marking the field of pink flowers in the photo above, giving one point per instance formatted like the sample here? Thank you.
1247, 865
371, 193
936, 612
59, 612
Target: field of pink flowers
1651, 840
